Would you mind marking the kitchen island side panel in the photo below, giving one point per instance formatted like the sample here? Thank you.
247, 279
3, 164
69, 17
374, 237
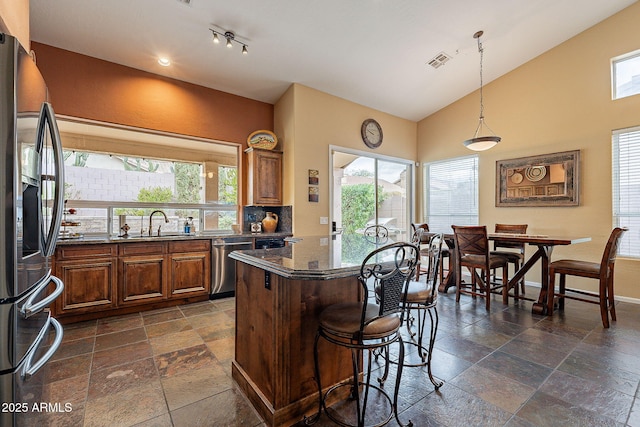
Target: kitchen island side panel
275, 334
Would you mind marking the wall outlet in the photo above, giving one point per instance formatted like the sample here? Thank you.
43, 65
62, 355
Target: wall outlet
324, 220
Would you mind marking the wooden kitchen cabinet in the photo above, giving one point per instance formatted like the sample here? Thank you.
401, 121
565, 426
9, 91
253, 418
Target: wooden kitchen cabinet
264, 177
190, 263
89, 277
111, 279
142, 273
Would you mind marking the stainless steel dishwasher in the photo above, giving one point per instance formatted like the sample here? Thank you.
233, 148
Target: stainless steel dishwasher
223, 280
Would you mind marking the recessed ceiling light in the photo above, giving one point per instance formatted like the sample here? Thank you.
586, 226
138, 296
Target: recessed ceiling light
165, 62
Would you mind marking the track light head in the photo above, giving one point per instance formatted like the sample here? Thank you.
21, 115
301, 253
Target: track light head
230, 37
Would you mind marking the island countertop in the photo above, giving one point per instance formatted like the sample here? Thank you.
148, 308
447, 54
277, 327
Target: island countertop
313, 257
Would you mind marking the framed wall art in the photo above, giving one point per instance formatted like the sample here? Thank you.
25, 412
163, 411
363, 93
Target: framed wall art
544, 180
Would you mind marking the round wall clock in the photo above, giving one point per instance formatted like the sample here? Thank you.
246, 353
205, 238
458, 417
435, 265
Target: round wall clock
371, 132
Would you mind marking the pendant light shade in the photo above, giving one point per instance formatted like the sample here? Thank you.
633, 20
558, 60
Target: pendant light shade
481, 141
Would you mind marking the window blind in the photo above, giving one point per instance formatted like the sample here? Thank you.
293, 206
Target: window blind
451, 193
626, 188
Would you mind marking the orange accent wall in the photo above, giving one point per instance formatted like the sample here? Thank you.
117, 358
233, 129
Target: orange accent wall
90, 88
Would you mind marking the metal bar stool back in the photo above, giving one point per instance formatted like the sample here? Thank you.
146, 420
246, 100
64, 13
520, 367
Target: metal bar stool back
368, 326
421, 299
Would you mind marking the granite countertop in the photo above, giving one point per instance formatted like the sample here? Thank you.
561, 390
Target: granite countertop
312, 258
94, 240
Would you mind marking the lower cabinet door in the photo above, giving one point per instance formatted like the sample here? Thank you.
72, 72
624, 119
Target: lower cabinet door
190, 274
88, 285
142, 279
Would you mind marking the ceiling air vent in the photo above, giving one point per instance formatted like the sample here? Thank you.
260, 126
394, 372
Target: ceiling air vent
439, 60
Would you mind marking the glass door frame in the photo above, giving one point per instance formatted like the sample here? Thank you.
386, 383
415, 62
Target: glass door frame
411, 179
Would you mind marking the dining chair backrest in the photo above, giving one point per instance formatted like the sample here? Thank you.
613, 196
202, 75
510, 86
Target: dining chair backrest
390, 268
471, 239
611, 251
512, 229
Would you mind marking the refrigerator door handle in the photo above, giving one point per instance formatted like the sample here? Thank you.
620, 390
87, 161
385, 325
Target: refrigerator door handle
29, 308
30, 368
48, 116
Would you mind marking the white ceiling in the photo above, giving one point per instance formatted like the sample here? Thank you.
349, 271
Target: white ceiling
372, 52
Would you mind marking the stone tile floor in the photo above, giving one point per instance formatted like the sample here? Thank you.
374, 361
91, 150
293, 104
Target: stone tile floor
508, 367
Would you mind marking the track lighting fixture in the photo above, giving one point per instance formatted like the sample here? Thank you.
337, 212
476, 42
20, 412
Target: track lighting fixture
230, 37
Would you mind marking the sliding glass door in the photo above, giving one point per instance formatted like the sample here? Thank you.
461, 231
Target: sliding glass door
369, 189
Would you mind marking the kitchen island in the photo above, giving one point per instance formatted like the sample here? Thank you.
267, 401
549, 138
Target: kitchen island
279, 296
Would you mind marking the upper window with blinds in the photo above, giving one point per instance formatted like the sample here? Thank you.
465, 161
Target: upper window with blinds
626, 188
451, 193
625, 75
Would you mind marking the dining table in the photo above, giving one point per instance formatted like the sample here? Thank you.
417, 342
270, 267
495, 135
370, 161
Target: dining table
544, 247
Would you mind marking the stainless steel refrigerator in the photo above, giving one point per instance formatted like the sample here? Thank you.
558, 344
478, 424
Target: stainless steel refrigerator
31, 206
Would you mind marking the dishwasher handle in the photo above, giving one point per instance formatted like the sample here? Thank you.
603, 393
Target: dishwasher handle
233, 244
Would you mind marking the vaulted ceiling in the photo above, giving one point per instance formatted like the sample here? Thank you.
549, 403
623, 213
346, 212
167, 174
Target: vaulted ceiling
372, 52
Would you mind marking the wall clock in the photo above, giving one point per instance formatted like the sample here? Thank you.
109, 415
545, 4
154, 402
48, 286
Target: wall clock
371, 132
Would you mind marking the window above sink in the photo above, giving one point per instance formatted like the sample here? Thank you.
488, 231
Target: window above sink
112, 171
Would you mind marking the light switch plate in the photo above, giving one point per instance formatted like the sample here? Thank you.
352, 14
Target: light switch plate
324, 220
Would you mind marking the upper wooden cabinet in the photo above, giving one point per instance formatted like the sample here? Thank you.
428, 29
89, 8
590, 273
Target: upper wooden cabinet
264, 177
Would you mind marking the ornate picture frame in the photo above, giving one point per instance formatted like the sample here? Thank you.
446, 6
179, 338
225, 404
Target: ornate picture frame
544, 180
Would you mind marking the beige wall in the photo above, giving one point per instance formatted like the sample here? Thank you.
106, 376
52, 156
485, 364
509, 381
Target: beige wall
559, 101
14, 19
307, 122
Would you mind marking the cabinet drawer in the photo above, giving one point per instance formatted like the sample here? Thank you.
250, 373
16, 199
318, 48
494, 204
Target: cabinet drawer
85, 251
189, 246
146, 248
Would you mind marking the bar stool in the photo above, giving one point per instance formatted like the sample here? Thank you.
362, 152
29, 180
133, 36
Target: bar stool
368, 326
422, 298
472, 251
378, 234
602, 271
444, 250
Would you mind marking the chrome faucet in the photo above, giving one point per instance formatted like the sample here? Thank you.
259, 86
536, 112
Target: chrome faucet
166, 220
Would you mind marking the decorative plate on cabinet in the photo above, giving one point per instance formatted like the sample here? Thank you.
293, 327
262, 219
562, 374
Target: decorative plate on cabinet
264, 139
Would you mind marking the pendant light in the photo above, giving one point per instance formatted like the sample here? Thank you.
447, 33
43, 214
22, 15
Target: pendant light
480, 141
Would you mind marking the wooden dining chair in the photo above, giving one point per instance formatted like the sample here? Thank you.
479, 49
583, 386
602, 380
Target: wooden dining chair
472, 252
602, 271
513, 252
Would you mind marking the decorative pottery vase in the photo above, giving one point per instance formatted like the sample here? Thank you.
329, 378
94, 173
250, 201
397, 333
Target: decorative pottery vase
270, 222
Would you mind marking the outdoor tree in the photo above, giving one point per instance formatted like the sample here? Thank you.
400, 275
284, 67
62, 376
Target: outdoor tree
358, 205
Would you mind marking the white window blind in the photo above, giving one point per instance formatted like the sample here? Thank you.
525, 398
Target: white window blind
451, 193
626, 188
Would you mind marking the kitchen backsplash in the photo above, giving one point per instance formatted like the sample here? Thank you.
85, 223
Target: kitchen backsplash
257, 213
